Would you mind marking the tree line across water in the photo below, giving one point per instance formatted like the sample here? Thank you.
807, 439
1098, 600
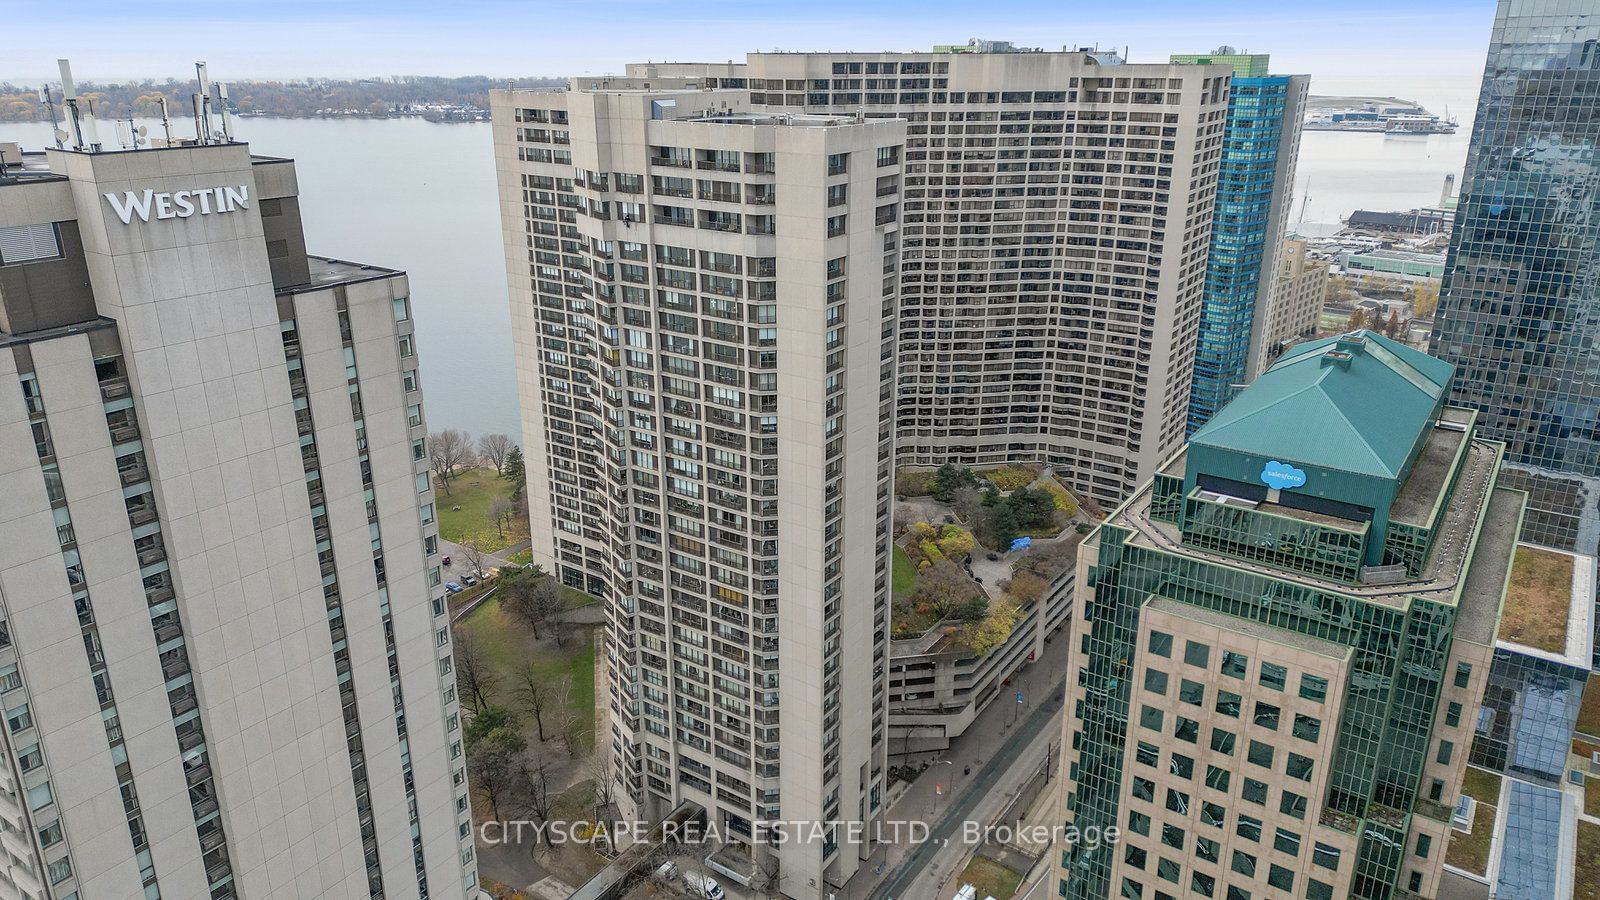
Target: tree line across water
303, 98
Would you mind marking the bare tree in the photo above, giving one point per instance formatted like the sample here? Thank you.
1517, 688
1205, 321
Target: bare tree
766, 878
536, 693
448, 450
494, 448
502, 510
476, 678
533, 597
534, 791
568, 723
474, 555
495, 776
598, 769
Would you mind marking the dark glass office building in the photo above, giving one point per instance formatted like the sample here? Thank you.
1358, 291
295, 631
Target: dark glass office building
1520, 312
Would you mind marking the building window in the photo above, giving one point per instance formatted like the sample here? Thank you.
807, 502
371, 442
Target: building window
1234, 665
1299, 767
1218, 778
1325, 856
1155, 681
1267, 716
1196, 654
1161, 643
1463, 674
1192, 692
1292, 804
1274, 676
1244, 864
1222, 741
1151, 718
1307, 728
1229, 703
39, 797
402, 309
1452, 715
19, 718
1260, 754
1447, 750
1424, 845
1313, 688
1255, 791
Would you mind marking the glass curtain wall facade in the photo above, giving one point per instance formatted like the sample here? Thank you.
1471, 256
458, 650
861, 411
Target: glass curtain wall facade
1252, 190
1517, 315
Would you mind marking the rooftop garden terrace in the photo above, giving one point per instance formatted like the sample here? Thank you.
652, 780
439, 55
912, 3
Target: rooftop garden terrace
1538, 599
954, 570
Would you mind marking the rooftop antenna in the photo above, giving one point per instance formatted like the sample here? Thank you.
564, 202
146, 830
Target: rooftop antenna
202, 104
50, 107
166, 123
69, 100
222, 112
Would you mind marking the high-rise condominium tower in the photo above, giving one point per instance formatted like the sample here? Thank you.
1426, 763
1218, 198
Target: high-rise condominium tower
1519, 313
1284, 640
1254, 190
702, 302
1057, 221
224, 657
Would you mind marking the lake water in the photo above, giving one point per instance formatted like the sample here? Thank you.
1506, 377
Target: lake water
419, 196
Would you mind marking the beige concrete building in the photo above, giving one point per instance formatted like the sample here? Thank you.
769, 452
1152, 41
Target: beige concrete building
699, 296
1298, 295
225, 661
1057, 218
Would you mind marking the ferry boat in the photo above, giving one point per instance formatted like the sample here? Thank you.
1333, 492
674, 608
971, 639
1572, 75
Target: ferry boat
1381, 119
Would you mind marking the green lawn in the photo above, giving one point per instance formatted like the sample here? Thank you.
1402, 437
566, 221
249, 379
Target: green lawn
1481, 785
1586, 883
464, 512
521, 557
1471, 851
1589, 715
990, 878
508, 645
905, 572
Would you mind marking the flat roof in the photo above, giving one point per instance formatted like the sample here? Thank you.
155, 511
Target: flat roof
327, 272
802, 121
1478, 609
1250, 628
1420, 492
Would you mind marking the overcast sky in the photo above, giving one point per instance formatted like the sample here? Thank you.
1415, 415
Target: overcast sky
295, 38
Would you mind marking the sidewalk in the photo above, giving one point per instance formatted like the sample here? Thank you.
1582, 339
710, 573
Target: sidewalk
988, 734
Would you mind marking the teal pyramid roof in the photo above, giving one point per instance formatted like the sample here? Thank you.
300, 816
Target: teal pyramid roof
1356, 403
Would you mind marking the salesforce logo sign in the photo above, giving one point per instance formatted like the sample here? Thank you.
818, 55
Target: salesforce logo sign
1280, 475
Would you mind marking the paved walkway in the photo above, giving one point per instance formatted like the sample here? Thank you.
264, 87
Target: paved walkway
996, 754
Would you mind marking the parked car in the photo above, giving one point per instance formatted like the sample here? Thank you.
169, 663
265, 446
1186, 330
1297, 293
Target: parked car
667, 873
703, 886
446, 562
469, 580
452, 587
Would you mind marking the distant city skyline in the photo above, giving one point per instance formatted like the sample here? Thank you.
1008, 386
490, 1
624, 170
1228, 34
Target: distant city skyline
299, 38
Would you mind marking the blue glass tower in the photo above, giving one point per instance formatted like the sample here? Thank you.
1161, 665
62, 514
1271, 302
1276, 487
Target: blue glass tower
1257, 176
1519, 314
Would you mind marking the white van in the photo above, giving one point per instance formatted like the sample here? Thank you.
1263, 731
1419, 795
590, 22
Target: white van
703, 886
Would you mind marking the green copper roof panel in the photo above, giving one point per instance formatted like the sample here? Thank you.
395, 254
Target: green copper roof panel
1356, 403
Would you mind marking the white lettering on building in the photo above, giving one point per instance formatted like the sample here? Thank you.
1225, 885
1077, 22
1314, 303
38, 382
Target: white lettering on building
178, 204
